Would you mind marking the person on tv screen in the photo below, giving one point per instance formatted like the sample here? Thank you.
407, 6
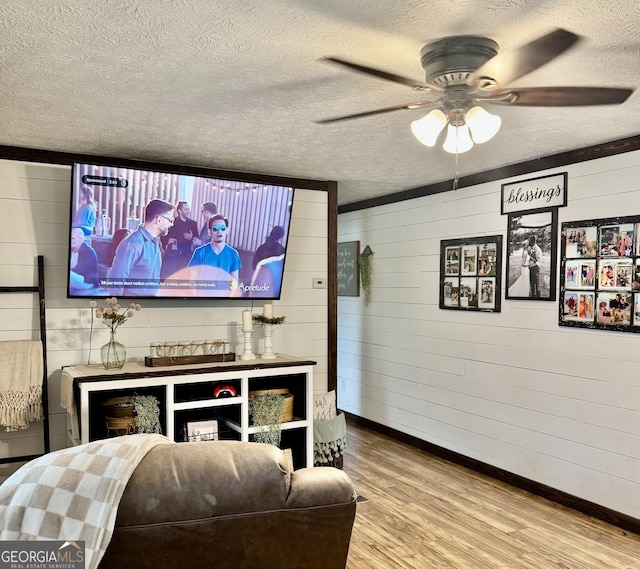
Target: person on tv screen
83, 263
178, 243
85, 217
138, 258
267, 276
218, 254
208, 210
271, 247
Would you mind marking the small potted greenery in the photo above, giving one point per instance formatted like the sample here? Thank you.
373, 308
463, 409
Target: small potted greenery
147, 414
266, 411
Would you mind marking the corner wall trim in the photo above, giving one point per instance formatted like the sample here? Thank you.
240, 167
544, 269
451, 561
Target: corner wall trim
597, 511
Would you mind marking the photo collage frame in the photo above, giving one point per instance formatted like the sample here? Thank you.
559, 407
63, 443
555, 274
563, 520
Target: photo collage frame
600, 274
470, 273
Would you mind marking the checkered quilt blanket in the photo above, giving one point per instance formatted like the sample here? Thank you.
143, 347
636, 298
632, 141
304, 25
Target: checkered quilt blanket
72, 494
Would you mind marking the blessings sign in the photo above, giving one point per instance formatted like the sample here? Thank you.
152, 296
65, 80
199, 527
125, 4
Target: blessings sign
537, 193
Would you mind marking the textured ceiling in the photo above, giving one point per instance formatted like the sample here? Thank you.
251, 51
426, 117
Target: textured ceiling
237, 84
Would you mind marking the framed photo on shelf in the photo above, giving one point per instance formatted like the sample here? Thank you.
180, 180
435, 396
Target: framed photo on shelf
470, 273
202, 431
532, 255
600, 263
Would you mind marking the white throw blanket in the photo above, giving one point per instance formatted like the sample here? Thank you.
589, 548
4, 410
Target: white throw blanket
21, 374
72, 494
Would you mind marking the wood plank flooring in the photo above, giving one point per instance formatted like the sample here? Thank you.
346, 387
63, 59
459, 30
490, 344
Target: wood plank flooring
424, 512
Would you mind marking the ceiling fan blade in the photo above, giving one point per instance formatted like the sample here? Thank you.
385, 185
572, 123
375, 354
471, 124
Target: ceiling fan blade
510, 65
558, 96
417, 85
416, 105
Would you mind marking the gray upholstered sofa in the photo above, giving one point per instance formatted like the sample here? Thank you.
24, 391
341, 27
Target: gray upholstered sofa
231, 505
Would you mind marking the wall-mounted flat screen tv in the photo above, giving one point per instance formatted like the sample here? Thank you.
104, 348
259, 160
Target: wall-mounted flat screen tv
144, 234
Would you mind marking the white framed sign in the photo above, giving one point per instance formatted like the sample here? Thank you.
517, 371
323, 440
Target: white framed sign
537, 193
202, 431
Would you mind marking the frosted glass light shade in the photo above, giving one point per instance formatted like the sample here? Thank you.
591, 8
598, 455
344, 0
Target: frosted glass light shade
458, 139
483, 125
428, 128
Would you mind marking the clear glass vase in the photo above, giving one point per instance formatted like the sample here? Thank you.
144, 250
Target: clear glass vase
113, 353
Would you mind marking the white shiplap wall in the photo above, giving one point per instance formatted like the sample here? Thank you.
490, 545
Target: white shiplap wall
34, 219
557, 405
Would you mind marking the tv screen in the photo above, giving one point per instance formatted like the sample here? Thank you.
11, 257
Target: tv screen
144, 234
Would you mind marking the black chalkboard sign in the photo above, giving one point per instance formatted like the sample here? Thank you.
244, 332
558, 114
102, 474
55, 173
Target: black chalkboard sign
348, 274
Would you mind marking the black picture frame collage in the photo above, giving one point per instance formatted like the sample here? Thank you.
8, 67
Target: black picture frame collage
471, 273
600, 274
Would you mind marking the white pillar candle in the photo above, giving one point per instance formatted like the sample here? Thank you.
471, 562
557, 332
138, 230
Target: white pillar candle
267, 310
247, 322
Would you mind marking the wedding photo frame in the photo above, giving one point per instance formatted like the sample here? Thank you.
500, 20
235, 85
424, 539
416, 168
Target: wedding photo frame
600, 274
471, 273
532, 255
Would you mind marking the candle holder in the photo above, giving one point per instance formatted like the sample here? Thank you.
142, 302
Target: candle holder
247, 353
268, 346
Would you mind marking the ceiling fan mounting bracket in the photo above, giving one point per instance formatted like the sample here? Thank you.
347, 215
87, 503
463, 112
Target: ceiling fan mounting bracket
450, 61
457, 99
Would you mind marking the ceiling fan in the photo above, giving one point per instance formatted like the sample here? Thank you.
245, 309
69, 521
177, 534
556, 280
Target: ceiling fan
465, 73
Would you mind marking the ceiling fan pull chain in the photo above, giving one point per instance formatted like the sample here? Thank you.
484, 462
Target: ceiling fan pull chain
456, 175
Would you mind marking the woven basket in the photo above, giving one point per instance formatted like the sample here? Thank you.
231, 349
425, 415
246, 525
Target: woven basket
287, 412
119, 407
117, 426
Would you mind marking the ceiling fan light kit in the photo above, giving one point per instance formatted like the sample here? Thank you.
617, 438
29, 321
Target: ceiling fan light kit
458, 139
428, 128
476, 125
483, 125
467, 73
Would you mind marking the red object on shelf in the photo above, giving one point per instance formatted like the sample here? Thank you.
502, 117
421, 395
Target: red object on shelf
224, 391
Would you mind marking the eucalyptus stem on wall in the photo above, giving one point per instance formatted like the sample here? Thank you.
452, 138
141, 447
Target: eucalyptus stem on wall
365, 266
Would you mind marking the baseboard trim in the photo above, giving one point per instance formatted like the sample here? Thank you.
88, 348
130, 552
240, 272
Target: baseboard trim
597, 511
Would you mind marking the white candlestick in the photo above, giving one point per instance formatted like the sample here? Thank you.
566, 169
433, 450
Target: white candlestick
267, 310
247, 321
268, 345
247, 354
